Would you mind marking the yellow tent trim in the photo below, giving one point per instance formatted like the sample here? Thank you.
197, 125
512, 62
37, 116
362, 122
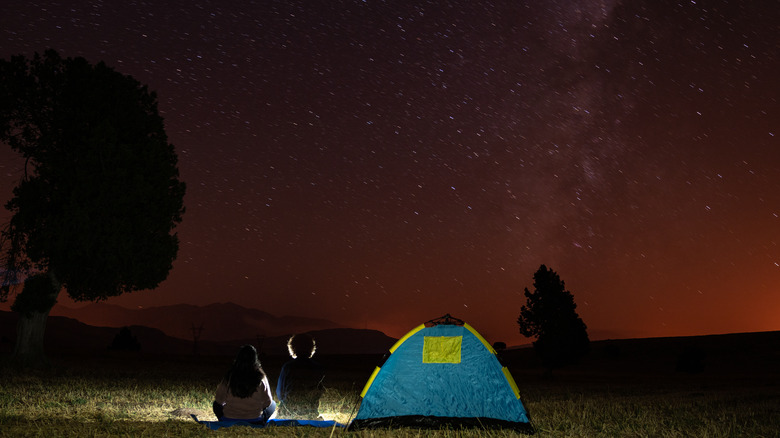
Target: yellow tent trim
505, 370
370, 381
406, 336
484, 342
511, 381
392, 349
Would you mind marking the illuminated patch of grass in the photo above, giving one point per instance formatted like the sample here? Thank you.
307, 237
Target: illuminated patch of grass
154, 397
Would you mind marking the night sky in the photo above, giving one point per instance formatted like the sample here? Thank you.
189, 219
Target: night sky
382, 163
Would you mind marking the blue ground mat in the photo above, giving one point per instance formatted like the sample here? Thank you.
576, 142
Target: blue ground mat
214, 425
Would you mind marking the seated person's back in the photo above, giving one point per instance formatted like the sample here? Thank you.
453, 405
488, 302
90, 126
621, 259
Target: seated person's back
300, 384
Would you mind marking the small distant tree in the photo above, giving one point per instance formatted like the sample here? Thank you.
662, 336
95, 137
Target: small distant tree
124, 340
95, 211
550, 316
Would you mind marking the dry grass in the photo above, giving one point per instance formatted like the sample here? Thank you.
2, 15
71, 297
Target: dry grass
152, 396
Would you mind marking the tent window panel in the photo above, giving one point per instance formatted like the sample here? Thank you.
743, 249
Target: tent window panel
442, 349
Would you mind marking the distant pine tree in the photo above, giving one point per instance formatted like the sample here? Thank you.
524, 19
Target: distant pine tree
550, 316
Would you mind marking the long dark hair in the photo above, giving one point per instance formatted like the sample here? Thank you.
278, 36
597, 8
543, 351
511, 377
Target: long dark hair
245, 374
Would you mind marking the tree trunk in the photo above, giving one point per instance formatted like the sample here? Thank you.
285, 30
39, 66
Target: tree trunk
29, 352
30, 330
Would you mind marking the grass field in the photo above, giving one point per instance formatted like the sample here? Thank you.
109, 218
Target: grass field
136, 395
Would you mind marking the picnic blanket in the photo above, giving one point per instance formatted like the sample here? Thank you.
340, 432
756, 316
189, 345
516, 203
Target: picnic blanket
214, 425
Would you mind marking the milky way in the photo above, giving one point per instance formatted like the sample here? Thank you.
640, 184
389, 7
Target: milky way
381, 163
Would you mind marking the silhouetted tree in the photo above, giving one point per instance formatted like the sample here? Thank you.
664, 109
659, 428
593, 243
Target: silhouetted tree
499, 346
550, 316
95, 210
124, 340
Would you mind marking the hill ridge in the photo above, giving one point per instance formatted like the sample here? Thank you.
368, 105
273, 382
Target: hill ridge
65, 334
219, 321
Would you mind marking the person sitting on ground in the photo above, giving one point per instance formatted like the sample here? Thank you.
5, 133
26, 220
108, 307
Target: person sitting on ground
300, 383
244, 393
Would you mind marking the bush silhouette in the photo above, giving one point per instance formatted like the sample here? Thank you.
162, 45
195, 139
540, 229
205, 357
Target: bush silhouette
125, 341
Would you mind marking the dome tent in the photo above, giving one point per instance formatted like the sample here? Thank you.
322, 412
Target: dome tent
442, 373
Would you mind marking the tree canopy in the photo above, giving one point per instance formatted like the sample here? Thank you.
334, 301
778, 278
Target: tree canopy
100, 196
550, 316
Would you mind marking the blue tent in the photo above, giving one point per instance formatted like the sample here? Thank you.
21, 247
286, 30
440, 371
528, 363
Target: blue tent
442, 373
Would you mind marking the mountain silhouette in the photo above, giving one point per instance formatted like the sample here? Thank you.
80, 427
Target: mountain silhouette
219, 321
68, 335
